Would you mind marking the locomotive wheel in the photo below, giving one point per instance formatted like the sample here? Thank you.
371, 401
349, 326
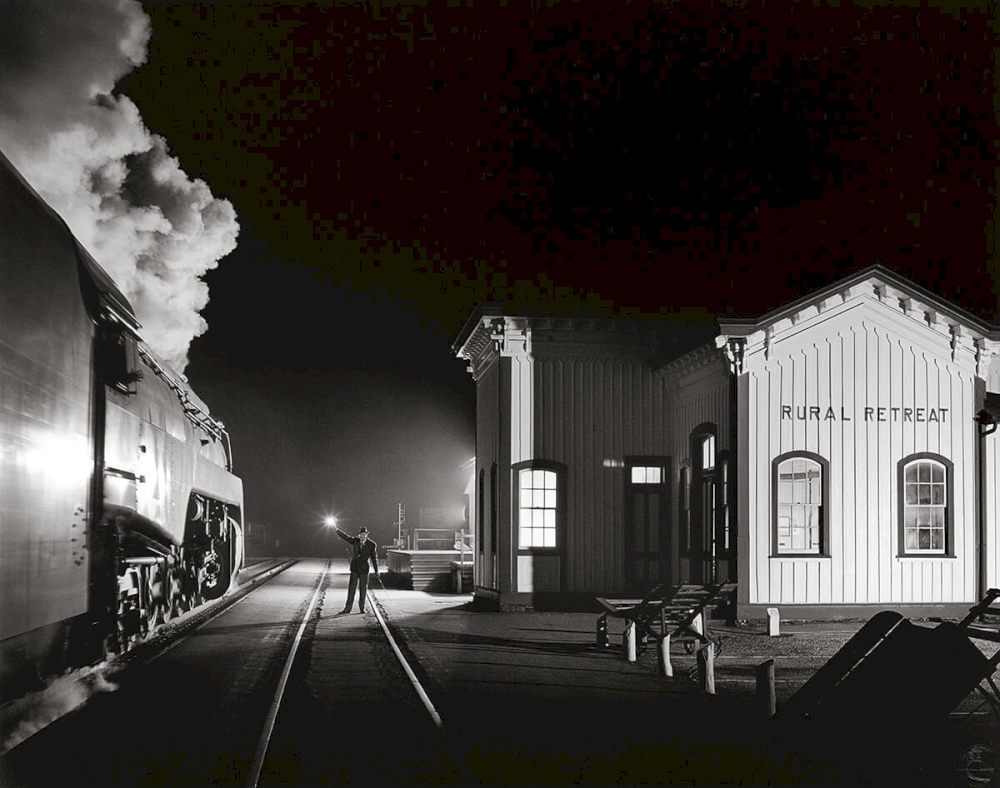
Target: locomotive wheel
153, 618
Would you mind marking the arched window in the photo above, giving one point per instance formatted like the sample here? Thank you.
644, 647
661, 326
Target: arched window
925, 486
801, 487
684, 508
703, 547
724, 490
481, 524
538, 501
537, 490
707, 452
494, 510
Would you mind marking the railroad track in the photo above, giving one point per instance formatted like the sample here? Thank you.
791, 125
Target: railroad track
270, 687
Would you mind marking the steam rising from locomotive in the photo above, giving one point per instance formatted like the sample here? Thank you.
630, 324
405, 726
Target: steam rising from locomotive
119, 508
88, 153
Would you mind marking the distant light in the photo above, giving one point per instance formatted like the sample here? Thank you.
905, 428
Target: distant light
614, 464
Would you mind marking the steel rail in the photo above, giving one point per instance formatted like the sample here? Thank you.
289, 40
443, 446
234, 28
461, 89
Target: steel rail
406, 666
272, 715
449, 745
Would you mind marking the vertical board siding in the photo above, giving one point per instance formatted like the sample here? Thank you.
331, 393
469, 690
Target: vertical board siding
852, 363
698, 396
487, 452
992, 470
602, 409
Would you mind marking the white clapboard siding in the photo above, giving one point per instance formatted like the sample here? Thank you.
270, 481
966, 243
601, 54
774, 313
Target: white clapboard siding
860, 355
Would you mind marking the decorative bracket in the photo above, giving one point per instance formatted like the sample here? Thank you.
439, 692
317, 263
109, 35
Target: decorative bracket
735, 348
956, 340
497, 332
984, 355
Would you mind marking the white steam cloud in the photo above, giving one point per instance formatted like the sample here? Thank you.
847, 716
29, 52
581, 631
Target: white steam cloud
24, 717
88, 153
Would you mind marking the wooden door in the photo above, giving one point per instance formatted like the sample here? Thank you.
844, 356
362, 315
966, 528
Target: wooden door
647, 523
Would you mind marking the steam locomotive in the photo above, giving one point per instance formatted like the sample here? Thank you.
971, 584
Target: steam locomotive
118, 505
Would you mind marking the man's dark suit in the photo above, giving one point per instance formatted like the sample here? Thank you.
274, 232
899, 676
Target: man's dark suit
363, 551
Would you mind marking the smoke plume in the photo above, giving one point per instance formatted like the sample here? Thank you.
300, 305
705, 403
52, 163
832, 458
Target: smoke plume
88, 153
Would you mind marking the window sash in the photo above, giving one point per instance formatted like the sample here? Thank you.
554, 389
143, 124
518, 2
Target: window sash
925, 508
799, 513
538, 503
647, 474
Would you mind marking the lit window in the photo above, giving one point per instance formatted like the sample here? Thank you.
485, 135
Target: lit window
799, 506
647, 475
925, 507
708, 452
537, 508
724, 492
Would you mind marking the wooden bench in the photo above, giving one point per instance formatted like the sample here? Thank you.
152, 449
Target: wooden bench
666, 614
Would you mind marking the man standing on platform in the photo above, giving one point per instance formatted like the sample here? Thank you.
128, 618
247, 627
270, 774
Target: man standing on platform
362, 551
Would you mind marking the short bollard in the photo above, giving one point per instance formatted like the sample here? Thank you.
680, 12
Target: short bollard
773, 622
602, 632
706, 667
665, 665
628, 641
765, 688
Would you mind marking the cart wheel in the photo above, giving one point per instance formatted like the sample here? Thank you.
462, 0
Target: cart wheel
977, 766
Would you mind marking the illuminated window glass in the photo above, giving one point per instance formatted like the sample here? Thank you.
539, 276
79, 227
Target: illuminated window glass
647, 474
537, 508
708, 452
925, 507
800, 506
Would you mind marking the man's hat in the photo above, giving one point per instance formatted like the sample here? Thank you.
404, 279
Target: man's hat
362, 530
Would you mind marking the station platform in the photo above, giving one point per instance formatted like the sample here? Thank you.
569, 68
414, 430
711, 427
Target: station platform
798, 651
533, 700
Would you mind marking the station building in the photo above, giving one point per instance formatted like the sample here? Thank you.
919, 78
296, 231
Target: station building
834, 456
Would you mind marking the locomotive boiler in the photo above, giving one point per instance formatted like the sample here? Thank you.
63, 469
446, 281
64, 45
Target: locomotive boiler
119, 508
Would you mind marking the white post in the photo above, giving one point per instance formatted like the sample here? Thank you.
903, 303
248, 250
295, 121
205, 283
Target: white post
706, 664
773, 622
628, 641
665, 664
698, 624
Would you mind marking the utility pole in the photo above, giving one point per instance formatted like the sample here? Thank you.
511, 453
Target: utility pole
401, 519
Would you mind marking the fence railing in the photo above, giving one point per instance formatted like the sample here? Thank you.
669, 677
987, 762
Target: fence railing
442, 539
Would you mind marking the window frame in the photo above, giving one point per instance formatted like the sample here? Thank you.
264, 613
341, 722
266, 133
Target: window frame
481, 513
949, 505
706, 521
560, 471
684, 508
824, 507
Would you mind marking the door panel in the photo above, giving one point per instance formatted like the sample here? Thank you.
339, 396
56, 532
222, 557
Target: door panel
647, 527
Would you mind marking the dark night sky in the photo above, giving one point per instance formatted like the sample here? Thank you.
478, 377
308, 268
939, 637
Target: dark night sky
392, 164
